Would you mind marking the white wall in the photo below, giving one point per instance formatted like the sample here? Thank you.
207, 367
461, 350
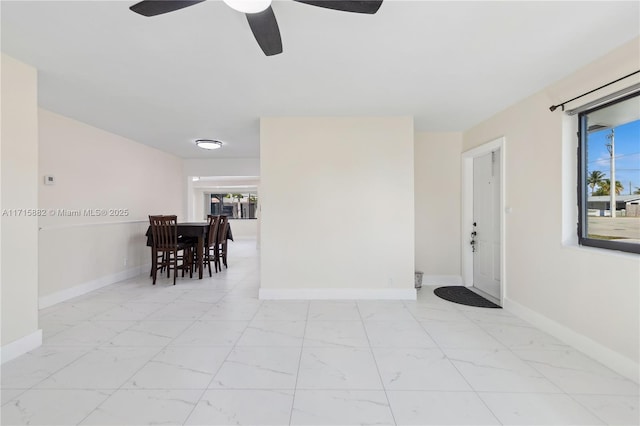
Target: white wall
19, 177
244, 228
342, 237
437, 200
94, 169
222, 167
589, 296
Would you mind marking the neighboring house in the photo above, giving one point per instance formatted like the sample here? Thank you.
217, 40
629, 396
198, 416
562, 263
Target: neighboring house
600, 205
632, 206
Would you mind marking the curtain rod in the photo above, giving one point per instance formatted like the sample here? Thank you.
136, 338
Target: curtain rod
553, 107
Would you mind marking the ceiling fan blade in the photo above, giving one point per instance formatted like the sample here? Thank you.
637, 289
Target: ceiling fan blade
357, 6
158, 7
265, 29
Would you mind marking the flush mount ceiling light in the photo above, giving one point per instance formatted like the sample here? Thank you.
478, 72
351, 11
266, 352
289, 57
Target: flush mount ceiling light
248, 6
208, 144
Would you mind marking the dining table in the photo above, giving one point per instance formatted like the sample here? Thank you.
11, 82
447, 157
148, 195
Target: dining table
195, 230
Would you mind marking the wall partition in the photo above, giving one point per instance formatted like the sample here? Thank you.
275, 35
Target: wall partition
337, 208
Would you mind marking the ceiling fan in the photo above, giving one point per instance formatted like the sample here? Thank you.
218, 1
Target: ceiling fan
259, 14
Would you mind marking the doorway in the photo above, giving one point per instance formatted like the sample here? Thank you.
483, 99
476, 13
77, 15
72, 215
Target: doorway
483, 220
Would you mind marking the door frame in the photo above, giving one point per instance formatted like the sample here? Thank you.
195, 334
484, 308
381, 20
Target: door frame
467, 211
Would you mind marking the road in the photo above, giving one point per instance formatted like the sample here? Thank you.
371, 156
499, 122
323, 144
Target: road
625, 227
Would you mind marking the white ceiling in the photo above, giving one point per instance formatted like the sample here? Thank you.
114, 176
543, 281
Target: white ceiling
198, 73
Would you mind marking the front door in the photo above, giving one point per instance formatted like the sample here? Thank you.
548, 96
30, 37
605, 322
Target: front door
486, 223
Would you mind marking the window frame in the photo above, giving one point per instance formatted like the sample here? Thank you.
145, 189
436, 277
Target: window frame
582, 187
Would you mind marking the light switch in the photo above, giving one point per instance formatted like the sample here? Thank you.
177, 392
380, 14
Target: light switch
49, 180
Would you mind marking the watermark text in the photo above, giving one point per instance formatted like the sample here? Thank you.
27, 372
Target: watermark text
64, 212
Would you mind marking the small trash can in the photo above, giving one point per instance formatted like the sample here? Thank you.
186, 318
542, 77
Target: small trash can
419, 279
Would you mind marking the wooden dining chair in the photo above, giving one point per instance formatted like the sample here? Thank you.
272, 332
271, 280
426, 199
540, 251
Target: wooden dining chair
167, 249
211, 252
157, 257
223, 229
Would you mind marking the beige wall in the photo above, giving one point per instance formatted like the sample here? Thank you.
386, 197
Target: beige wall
94, 169
337, 208
437, 200
19, 177
592, 292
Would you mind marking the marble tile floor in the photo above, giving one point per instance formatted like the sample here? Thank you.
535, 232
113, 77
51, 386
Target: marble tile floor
210, 353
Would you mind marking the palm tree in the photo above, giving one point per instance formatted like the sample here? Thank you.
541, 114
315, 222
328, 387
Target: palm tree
619, 188
594, 178
637, 191
605, 186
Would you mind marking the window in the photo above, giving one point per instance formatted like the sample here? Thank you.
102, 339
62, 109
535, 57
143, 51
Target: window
234, 205
609, 175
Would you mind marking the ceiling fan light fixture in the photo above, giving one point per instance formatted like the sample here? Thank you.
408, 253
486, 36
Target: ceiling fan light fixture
248, 6
208, 144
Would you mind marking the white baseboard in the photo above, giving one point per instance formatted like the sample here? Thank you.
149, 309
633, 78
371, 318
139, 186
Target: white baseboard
337, 294
615, 361
441, 280
21, 346
79, 290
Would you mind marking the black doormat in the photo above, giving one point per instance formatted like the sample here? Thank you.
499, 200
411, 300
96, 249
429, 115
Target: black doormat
464, 296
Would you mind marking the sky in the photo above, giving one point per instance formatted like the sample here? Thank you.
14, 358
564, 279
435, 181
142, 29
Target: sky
627, 154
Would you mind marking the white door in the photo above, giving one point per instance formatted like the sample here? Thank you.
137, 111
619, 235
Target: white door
486, 223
